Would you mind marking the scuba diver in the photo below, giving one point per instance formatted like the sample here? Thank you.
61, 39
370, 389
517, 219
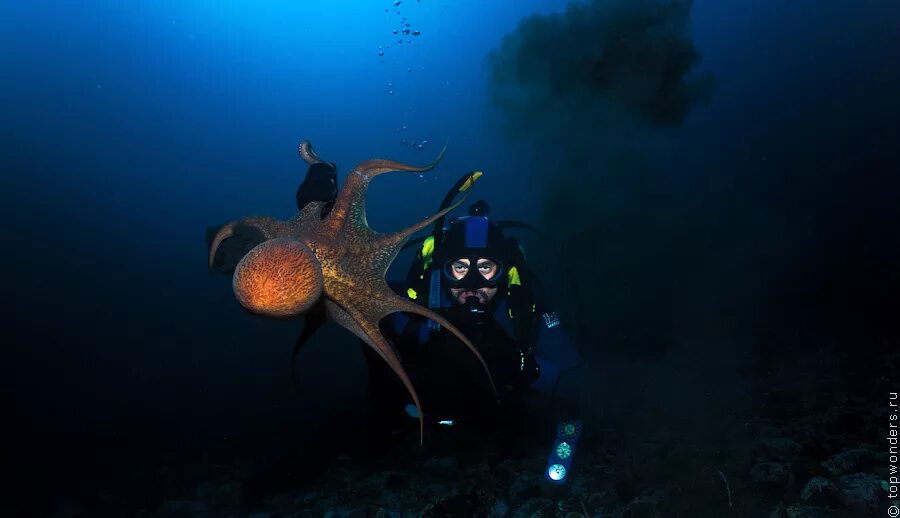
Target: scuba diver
475, 275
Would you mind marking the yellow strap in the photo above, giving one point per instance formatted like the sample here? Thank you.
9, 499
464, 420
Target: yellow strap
472, 178
514, 277
427, 246
427, 250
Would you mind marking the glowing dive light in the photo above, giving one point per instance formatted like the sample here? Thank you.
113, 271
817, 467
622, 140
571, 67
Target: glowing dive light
559, 461
413, 412
556, 472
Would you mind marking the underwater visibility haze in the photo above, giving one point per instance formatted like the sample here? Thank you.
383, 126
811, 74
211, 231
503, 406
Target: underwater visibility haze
688, 247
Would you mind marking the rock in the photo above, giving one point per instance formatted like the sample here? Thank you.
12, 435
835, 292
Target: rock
809, 511
602, 498
840, 419
536, 507
644, 506
484, 496
455, 505
860, 491
435, 492
445, 467
849, 461
292, 500
388, 482
807, 434
776, 474
505, 472
524, 487
65, 509
779, 448
819, 491
183, 508
221, 495
624, 488
480, 471
778, 512
499, 510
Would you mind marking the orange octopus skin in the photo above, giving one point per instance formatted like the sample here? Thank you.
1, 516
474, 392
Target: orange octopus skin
338, 258
280, 277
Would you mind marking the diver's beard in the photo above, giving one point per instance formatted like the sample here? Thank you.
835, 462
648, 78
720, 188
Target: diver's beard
482, 297
469, 315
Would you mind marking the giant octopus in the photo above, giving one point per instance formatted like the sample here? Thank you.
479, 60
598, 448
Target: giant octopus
336, 260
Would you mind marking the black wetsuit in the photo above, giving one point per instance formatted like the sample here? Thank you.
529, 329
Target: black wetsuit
450, 381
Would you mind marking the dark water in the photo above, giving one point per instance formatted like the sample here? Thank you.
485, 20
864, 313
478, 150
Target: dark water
721, 180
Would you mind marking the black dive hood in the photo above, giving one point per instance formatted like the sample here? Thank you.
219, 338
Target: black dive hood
472, 237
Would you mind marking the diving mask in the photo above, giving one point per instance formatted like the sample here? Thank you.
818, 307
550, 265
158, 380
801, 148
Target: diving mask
474, 278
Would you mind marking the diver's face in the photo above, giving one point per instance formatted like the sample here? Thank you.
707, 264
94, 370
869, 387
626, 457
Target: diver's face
486, 268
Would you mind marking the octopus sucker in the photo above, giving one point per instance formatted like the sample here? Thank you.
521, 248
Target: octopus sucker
307, 153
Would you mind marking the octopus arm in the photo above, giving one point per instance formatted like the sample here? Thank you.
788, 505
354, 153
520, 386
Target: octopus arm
402, 304
270, 228
307, 153
354, 320
350, 206
398, 239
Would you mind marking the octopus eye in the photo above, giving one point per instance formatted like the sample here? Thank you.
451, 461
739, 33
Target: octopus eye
279, 278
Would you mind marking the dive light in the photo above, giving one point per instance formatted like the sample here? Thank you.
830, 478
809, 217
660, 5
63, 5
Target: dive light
559, 462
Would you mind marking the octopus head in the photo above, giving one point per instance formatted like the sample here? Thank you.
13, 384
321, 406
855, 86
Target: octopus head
279, 278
